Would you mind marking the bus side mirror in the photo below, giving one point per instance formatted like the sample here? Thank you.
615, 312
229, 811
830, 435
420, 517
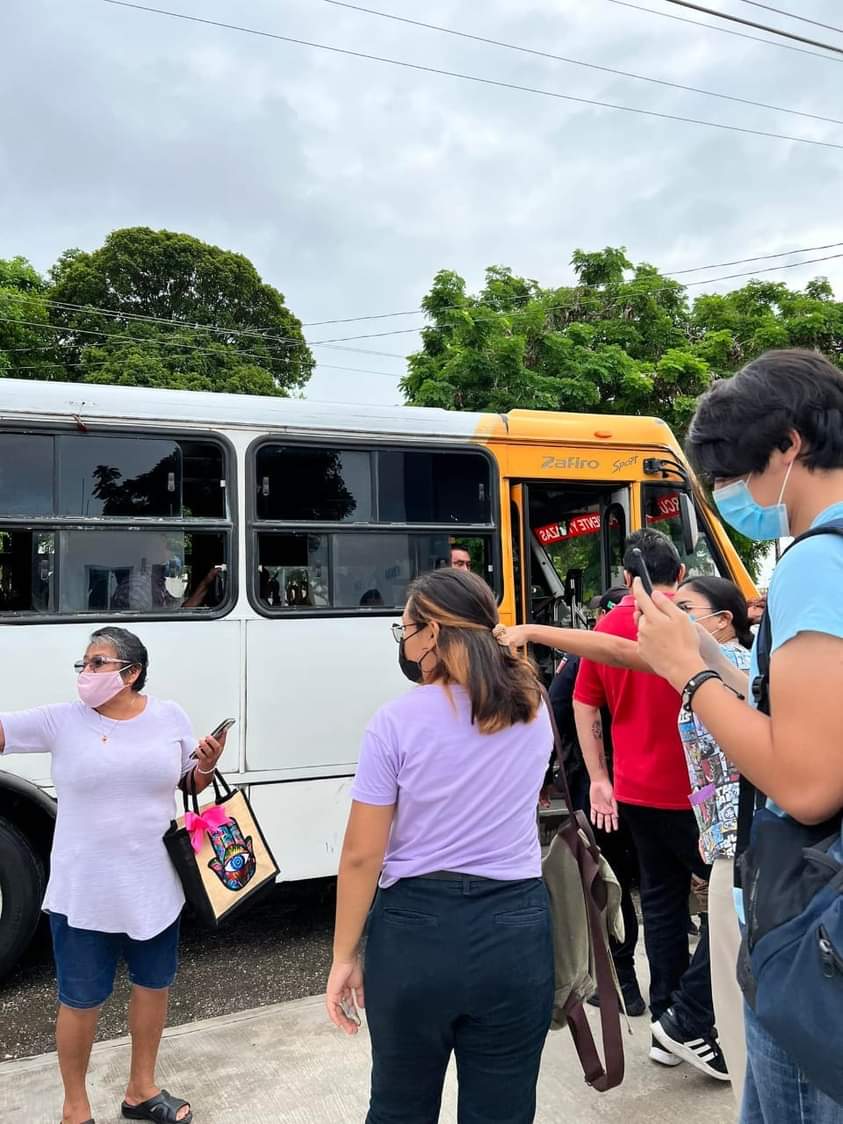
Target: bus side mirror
690, 529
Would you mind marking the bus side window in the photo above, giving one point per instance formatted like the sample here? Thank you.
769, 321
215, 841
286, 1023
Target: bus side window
93, 497
373, 520
27, 566
26, 474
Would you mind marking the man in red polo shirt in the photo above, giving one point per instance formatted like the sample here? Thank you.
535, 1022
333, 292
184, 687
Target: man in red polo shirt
650, 794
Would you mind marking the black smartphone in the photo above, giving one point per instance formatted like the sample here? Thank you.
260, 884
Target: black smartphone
642, 572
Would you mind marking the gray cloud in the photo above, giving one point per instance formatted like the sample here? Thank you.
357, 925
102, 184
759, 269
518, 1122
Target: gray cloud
350, 183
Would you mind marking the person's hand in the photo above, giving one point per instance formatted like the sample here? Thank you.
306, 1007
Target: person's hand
344, 997
667, 637
209, 751
516, 636
604, 807
709, 648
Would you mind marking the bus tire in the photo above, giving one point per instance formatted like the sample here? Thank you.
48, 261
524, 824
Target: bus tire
22, 882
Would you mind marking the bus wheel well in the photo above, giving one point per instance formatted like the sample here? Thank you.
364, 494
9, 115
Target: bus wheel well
31, 815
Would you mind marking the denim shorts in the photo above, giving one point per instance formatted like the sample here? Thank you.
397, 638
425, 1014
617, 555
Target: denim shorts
86, 961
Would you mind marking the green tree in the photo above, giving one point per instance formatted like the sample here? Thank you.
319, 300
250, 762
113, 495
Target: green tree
606, 345
179, 313
623, 340
27, 346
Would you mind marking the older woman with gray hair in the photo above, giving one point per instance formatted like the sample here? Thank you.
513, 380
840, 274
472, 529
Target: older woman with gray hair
118, 756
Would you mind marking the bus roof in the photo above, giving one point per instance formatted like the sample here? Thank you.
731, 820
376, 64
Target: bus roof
29, 400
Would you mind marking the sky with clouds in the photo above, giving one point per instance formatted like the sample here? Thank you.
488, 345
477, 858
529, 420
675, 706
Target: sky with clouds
349, 183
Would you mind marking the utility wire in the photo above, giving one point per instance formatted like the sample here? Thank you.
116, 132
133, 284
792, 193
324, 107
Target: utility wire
578, 62
257, 334
162, 341
670, 273
475, 78
630, 292
262, 333
633, 288
792, 15
722, 30
758, 26
761, 257
102, 363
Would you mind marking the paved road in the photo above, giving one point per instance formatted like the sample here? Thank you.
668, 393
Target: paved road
280, 950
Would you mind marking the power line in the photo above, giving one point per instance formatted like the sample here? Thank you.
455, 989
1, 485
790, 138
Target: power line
577, 62
476, 79
792, 15
756, 272
104, 362
758, 26
255, 333
163, 341
631, 291
670, 273
721, 30
260, 334
761, 257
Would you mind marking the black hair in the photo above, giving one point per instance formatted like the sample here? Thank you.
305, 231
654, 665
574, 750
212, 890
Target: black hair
660, 555
503, 686
724, 597
127, 647
372, 598
612, 597
741, 421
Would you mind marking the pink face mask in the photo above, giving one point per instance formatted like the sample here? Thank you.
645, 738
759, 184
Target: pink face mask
98, 687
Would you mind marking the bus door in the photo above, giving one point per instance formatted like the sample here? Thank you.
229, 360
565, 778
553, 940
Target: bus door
567, 549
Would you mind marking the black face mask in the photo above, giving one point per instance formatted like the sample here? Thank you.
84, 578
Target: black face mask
411, 668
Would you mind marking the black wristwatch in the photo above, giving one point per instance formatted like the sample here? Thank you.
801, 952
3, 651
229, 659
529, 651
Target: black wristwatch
694, 684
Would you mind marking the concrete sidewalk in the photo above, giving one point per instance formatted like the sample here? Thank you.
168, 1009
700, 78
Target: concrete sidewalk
286, 1064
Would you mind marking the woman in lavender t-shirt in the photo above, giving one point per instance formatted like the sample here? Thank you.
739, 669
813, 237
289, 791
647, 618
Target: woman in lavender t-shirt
117, 758
459, 956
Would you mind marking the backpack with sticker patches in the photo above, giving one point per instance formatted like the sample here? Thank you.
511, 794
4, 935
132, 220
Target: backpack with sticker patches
791, 876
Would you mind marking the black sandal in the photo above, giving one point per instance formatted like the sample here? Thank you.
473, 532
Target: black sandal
161, 1108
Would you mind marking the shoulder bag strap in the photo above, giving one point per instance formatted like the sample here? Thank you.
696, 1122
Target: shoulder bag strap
222, 789
587, 855
750, 798
189, 789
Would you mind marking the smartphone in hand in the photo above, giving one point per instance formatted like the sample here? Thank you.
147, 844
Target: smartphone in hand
223, 727
642, 572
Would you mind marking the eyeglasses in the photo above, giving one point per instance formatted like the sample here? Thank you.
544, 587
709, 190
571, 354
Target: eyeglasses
97, 662
399, 631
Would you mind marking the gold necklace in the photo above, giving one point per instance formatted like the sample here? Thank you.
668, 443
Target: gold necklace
102, 718
114, 721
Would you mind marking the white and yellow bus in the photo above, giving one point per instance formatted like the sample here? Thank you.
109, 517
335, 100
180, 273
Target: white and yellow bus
260, 546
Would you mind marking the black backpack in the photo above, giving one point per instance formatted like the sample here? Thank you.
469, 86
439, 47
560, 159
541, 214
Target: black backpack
791, 876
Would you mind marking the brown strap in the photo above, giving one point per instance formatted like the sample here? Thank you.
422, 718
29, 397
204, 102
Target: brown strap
579, 837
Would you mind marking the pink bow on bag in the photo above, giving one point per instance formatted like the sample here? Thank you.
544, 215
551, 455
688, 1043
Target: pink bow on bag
207, 821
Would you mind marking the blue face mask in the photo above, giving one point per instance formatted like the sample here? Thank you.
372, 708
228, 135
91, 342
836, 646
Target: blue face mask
741, 511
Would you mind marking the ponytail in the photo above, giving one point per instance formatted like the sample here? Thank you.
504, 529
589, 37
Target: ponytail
502, 686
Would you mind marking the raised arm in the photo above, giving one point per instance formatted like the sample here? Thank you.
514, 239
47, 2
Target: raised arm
795, 757
614, 651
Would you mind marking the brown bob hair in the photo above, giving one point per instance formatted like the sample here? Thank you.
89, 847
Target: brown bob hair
503, 687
